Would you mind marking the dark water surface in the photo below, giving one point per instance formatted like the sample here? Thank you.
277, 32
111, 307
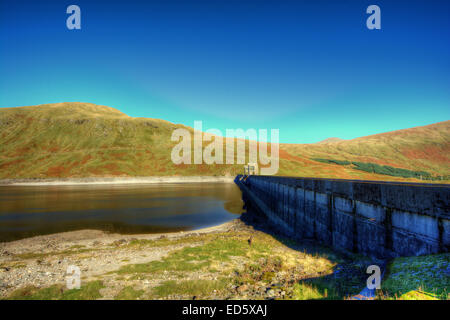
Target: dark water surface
124, 208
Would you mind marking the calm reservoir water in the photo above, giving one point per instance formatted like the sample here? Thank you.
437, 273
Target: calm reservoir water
124, 208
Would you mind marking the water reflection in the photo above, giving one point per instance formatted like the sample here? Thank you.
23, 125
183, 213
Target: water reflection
128, 208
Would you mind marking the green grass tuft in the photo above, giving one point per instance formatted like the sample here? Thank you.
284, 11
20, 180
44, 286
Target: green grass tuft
414, 277
198, 257
88, 291
128, 293
189, 287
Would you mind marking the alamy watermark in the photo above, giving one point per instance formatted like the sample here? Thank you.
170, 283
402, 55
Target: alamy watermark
73, 278
374, 281
213, 153
374, 20
73, 22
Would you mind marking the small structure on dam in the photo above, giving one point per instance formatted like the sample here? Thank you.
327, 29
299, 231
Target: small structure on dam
380, 219
251, 168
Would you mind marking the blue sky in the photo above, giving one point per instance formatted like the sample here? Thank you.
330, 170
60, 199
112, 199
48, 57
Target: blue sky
309, 68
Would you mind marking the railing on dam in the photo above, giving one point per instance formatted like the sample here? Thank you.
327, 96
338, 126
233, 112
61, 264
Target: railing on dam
381, 219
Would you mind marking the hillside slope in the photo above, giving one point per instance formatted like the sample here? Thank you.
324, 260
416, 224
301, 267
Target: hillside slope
83, 139
424, 148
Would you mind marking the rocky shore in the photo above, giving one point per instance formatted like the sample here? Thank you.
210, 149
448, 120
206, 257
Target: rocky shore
236, 260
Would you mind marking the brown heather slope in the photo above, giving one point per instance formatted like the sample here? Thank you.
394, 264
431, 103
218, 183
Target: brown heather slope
88, 140
85, 140
424, 148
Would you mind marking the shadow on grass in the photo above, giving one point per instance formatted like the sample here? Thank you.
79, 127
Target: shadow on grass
417, 278
348, 276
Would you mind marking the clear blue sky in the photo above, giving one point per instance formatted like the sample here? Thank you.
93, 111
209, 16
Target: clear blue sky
309, 68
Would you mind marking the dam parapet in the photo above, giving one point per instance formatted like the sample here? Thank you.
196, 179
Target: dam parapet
379, 219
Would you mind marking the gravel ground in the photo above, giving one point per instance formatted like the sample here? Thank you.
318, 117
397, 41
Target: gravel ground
42, 261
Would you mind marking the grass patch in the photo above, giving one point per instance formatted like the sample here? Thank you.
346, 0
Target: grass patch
88, 291
13, 265
391, 171
164, 242
418, 277
77, 246
304, 291
32, 255
264, 270
128, 293
189, 287
382, 169
336, 283
199, 257
333, 161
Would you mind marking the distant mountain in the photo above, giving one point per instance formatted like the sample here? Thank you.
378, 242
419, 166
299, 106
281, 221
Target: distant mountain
331, 140
84, 139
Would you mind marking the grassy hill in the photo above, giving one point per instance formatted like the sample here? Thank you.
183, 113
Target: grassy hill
425, 149
83, 139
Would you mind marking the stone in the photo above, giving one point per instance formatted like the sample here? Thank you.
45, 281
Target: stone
270, 293
242, 288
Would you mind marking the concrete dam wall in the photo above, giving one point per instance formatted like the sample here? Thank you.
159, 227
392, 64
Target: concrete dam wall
379, 219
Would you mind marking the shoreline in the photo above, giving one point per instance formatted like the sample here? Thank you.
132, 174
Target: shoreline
86, 235
42, 261
114, 180
139, 267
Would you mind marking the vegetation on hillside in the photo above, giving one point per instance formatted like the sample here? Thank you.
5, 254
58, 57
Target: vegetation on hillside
377, 157
340, 162
385, 170
87, 140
